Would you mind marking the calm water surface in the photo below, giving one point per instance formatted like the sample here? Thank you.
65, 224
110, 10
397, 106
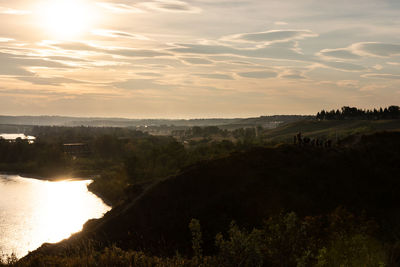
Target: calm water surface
33, 212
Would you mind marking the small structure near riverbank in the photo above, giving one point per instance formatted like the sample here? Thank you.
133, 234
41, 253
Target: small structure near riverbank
76, 149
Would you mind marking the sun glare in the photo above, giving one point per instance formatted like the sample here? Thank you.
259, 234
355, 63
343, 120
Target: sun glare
66, 19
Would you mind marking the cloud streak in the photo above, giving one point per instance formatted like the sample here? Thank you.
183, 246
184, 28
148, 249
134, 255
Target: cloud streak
54, 81
197, 61
119, 51
174, 6
13, 65
119, 34
11, 11
285, 51
382, 76
119, 8
218, 76
340, 53
171, 6
271, 36
377, 49
258, 74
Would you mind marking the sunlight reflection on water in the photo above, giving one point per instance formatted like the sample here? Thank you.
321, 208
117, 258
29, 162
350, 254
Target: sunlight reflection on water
33, 211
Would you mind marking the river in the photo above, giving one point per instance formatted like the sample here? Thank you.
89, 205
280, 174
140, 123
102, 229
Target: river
33, 211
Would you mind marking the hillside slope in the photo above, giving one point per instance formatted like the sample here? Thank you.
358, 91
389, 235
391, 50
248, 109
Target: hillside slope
328, 129
251, 186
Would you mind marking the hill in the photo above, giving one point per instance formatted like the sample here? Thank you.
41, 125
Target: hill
124, 122
251, 186
328, 129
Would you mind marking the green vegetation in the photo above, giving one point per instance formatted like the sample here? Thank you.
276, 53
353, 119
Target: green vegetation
336, 239
284, 201
328, 129
116, 158
213, 197
41, 159
352, 113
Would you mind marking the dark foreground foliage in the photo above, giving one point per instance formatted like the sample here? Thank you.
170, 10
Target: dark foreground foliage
337, 239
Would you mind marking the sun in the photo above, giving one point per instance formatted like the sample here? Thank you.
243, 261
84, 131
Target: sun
66, 19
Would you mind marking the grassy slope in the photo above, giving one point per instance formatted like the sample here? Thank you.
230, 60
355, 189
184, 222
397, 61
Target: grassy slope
329, 129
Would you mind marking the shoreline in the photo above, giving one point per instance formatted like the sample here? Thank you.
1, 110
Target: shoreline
58, 179
45, 178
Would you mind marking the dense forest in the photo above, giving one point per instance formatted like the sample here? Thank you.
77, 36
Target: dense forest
353, 113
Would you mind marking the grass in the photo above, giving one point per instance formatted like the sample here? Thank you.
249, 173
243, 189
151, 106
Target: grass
329, 129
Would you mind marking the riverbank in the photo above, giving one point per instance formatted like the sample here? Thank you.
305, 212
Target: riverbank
42, 177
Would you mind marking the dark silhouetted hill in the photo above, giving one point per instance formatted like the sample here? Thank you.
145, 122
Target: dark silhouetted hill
251, 186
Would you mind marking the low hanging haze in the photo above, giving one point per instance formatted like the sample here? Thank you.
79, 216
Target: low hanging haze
197, 58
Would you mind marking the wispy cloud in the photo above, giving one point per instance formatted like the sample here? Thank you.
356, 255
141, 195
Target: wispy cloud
372, 87
280, 23
126, 52
48, 80
18, 65
293, 76
11, 11
218, 76
118, 34
149, 74
142, 84
339, 53
175, 6
6, 40
348, 83
377, 49
286, 51
171, 6
197, 61
345, 66
382, 76
119, 7
258, 74
363, 49
119, 51
270, 36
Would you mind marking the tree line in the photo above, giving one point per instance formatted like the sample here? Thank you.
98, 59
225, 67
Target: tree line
353, 113
118, 157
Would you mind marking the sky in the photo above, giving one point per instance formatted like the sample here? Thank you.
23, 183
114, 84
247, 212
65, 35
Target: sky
197, 58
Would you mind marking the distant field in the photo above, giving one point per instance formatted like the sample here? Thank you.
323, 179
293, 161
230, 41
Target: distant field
329, 129
9, 128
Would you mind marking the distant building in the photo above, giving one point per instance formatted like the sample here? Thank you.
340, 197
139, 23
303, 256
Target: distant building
76, 149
